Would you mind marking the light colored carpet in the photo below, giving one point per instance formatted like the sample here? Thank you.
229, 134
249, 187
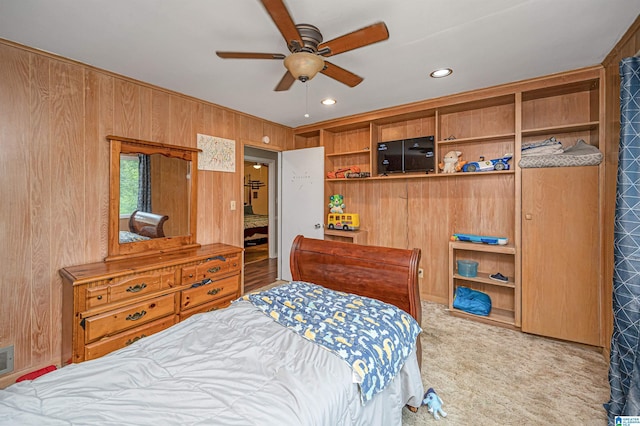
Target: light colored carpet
488, 375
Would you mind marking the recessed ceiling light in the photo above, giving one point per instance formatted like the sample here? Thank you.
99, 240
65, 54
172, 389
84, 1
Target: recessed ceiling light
442, 72
328, 101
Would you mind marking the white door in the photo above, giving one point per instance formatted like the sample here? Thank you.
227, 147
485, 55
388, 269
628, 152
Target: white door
301, 201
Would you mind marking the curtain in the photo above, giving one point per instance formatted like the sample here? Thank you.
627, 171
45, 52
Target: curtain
144, 182
624, 368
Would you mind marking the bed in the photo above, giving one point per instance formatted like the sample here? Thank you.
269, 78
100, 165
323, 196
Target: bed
240, 366
256, 227
143, 226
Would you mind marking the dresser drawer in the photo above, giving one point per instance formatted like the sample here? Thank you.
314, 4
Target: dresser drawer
211, 268
110, 344
208, 307
215, 290
128, 287
131, 316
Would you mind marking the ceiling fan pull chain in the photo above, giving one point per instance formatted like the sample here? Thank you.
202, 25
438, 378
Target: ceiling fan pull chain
306, 108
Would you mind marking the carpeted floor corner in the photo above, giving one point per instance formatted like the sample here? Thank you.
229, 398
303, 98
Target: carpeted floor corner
488, 375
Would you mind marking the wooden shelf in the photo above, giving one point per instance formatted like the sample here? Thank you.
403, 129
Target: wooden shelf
484, 278
477, 139
426, 175
577, 127
491, 248
341, 154
504, 295
356, 237
408, 211
499, 316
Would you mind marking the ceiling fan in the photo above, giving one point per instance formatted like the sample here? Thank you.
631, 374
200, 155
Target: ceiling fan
304, 41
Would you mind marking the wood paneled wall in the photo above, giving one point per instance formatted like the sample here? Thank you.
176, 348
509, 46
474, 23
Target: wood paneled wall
411, 213
55, 179
628, 46
54, 167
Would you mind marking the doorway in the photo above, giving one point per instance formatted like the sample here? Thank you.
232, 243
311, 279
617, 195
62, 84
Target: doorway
260, 234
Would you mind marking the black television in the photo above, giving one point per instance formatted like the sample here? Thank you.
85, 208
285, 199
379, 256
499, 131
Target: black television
406, 155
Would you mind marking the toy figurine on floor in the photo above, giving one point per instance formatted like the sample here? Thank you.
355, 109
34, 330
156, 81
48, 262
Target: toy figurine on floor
434, 404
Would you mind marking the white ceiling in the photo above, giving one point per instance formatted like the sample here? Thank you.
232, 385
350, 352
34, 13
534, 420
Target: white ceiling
172, 44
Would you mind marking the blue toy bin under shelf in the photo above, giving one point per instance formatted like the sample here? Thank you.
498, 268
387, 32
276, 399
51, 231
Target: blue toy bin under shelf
467, 268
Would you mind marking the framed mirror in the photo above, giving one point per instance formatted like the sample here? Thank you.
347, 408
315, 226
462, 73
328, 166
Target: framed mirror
152, 197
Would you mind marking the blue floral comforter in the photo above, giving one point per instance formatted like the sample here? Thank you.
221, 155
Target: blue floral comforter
373, 337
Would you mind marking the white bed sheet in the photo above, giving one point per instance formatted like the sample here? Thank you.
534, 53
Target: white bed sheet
230, 367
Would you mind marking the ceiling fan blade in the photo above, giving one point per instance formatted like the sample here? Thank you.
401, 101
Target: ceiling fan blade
359, 38
340, 74
287, 81
250, 55
282, 18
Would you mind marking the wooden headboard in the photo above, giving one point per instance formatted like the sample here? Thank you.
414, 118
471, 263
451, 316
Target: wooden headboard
147, 224
383, 273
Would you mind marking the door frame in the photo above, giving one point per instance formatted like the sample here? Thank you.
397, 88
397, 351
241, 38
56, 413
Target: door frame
272, 194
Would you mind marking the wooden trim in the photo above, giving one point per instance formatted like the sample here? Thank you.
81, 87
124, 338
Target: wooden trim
165, 148
129, 145
632, 32
460, 98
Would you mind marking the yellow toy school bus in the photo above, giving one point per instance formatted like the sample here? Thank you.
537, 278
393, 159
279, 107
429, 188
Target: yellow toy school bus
344, 221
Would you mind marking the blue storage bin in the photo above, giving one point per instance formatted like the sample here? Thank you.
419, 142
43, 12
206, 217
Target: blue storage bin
467, 268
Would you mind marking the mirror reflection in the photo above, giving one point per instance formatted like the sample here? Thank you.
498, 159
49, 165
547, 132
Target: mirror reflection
154, 197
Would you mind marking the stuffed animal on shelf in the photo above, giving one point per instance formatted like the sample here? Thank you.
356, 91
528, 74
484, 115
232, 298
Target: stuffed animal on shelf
336, 204
434, 404
451, 162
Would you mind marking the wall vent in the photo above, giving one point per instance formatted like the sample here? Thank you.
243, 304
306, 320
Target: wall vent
6, 360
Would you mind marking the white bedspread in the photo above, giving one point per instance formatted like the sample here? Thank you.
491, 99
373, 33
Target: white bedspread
230, 367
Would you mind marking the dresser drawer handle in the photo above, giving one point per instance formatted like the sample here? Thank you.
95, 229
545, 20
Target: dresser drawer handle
136, 316
214, 291
135, 339
221, 258
136, 288
214, 269
201, 283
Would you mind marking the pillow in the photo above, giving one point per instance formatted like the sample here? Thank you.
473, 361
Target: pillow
248, 209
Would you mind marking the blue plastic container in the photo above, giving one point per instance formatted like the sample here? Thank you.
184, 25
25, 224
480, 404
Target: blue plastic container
467, 268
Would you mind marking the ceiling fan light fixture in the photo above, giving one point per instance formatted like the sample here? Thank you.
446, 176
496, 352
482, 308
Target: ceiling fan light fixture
304, 66
442, 72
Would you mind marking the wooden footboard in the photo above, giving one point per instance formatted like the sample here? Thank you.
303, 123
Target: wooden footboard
383, 273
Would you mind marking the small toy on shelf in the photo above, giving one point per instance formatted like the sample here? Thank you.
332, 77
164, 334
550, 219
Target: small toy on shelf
484, 166
451, 162
338, 219
336, 203
355, 175
480, 239
342, 173
434, 404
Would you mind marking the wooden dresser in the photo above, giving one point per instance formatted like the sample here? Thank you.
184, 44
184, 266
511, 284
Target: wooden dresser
109, 305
